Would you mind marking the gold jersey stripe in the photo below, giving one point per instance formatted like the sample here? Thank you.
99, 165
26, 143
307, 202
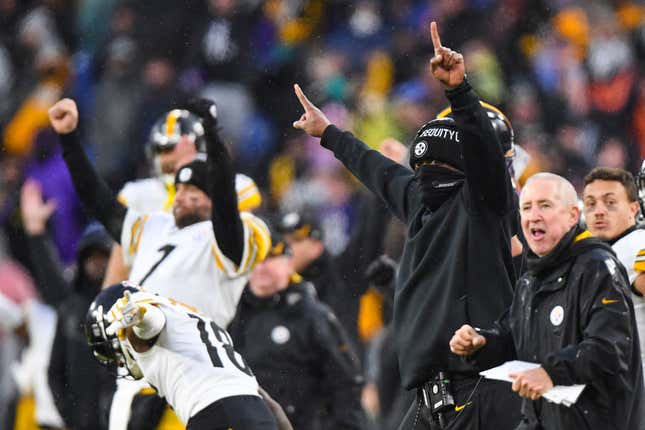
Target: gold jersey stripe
249, 203
170, 199
262, 238
136, 232
639, 266
247, 188
218, 261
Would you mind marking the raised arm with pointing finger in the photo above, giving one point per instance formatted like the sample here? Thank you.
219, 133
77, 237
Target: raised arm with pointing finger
455, 201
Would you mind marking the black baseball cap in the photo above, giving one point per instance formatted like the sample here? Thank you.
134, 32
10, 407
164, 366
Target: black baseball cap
300, 225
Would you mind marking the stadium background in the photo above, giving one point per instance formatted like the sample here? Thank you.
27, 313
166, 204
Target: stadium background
569, 74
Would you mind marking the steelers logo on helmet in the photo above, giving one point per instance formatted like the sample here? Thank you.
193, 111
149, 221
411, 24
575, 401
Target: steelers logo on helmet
438, 140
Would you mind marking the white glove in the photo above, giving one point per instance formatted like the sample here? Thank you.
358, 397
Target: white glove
124, 313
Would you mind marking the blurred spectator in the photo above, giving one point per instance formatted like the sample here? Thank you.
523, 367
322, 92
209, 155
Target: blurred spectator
297, 349
82, 389
613, 154
118, 98
33, 323
310, 259
220, 42
51, 70
48, 168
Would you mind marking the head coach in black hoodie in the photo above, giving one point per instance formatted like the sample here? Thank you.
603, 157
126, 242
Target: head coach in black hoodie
572, 313
456, 266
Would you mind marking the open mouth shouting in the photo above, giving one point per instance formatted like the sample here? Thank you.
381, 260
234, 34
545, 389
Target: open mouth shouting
537, 233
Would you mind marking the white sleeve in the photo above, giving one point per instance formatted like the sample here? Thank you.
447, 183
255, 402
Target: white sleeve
248, 194
153, 322
257, 242
128, 194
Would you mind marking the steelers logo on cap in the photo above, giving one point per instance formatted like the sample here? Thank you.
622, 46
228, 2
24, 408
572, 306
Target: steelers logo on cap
185, 174
420, 149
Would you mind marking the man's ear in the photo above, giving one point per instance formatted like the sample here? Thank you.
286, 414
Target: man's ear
634, 207
574, 213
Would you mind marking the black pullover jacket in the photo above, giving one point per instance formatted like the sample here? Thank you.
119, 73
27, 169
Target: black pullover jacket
300, 354
456, 266
572, 312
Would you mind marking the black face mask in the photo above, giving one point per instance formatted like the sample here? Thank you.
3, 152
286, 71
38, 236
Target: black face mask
437, 184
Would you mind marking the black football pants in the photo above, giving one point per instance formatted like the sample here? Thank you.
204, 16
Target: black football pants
237, 412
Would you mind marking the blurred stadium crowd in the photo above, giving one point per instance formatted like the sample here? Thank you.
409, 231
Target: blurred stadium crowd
568, 73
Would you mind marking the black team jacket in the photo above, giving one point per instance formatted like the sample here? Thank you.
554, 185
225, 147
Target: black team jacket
572, 312
300, 354
456, 266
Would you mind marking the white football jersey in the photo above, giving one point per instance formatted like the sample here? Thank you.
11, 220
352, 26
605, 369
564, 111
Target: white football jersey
192, 364
187, 265
630, 250
30, 372
157, 194
150, 194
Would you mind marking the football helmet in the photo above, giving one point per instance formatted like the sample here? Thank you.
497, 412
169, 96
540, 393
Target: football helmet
501, 124
169, 128
640, 187
107, 349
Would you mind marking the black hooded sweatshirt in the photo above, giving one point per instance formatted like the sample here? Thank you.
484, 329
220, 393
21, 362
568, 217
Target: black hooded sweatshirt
456, 266
81, 387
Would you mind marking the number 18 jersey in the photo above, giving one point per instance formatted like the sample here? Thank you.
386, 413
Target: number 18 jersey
192, 363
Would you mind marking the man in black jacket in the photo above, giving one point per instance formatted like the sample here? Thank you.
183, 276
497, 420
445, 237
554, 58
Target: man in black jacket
296, 347
82, 389
456, 265
573, 314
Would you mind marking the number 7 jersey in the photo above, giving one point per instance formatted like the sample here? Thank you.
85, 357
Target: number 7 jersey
192, 363
187, 265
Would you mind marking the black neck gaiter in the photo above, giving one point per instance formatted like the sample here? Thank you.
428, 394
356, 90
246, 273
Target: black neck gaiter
437, 184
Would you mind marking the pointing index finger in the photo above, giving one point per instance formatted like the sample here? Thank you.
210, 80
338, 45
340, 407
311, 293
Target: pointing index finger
436, 40
304, 101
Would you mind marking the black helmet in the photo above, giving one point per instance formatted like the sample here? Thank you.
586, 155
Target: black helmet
501, 124
169, 128
108, 349
301, 225
640, 187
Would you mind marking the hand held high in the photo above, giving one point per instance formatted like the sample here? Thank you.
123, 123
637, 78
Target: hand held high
313, 121
447, 66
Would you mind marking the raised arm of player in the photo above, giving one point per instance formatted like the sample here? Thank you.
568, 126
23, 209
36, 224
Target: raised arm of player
485, 167
96, 196
227, 225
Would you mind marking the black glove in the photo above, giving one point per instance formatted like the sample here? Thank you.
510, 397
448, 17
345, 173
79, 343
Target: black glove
380, 272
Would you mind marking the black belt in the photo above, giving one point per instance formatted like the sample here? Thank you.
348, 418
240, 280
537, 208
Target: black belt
436, 396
